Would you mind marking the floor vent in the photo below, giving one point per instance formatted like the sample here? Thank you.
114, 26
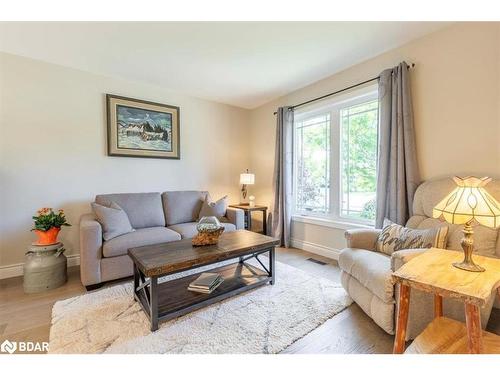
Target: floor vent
316, 261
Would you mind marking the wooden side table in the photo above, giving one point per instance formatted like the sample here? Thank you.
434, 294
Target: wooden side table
248, 215
432, 272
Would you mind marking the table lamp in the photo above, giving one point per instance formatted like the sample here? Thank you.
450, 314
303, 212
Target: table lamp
246, 178
467, 202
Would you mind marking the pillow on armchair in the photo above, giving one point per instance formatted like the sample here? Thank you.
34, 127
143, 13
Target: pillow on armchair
394, 237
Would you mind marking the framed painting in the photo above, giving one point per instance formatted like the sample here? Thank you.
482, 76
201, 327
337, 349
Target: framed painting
142, 129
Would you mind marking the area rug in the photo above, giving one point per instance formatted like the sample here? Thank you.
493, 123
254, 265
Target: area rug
264, 320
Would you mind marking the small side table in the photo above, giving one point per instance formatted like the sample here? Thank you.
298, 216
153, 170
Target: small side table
432, 272
248, 215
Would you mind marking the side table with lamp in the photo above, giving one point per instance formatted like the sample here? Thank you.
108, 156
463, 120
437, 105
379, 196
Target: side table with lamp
249, 206
440, 272
248, 209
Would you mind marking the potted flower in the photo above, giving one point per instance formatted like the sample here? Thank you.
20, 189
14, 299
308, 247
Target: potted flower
48, 224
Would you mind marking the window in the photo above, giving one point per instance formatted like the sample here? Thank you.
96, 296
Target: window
335, 158
313, 163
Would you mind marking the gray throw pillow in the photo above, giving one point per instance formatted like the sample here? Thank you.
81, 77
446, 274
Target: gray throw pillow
394, 237
113, 219
217, 209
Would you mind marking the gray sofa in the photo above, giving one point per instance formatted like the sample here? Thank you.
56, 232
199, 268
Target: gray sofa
156, 218
366, 273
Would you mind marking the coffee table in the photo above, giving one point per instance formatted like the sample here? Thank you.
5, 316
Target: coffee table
171, 299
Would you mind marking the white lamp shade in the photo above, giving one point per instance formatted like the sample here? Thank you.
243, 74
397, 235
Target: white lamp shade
469, 201
247, 179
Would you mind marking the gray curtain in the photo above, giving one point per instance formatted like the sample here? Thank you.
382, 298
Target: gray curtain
281, 215
398, 174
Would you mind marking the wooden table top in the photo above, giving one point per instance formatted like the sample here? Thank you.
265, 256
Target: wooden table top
433, 272
176, 256
248, 208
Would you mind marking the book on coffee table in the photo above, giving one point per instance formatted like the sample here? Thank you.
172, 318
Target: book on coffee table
207, 282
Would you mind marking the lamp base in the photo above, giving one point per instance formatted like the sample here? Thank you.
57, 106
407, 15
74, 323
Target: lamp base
468, 245
472, 267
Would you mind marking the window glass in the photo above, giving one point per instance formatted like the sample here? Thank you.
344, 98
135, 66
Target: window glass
312, 138
359, 125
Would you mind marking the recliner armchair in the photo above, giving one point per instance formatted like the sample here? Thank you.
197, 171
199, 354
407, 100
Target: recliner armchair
366, 273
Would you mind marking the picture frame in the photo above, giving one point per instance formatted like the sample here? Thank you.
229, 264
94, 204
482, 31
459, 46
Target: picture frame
142, 129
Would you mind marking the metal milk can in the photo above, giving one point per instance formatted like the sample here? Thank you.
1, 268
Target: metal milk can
45, 268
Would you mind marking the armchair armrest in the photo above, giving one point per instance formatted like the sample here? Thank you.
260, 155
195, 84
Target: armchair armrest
362, 238
399, 258
236, 216
90, 250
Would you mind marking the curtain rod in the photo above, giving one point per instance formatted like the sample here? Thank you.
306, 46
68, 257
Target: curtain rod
339, 91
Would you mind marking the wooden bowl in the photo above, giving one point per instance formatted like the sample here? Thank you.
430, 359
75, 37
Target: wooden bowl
207, 237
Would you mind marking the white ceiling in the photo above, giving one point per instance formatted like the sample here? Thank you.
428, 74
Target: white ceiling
243, 64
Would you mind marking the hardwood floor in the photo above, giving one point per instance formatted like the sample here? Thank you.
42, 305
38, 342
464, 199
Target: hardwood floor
27, 317
350, 331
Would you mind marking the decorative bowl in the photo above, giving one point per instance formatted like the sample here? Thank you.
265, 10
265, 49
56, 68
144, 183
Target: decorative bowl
209, 229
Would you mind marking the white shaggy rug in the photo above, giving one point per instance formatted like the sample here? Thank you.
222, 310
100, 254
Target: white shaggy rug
264, 320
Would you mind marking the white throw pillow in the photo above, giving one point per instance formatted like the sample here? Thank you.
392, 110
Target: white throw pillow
113, 219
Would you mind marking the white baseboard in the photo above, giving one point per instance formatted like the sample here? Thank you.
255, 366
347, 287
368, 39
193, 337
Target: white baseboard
322, 250
13, 270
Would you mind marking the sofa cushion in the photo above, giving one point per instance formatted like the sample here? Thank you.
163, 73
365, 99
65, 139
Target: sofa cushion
371, 269
141, 237
182, 206
113, 219
188, 230
144, 210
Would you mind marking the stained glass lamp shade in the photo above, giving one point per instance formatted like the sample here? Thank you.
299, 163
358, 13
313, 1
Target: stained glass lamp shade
467, 202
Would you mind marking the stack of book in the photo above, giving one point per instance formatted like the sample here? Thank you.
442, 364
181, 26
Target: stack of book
206, 283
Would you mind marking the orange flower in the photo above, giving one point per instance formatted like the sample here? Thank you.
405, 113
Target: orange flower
44, 210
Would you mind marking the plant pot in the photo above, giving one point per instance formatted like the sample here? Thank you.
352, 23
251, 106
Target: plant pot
47, 237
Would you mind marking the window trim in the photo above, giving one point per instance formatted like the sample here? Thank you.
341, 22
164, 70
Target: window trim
331, 223
333, 217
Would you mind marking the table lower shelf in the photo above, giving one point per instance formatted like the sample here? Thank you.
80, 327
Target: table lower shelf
174, 299
448, 336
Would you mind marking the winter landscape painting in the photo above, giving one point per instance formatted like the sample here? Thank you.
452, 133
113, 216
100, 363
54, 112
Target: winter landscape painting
142, 129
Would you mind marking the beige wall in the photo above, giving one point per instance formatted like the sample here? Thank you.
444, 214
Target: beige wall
456, 96
53, 148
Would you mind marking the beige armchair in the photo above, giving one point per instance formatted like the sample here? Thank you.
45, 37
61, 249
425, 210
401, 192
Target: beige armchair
366, 273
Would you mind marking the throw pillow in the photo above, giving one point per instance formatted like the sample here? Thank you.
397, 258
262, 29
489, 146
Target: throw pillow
394, 237
113, 219
217, 209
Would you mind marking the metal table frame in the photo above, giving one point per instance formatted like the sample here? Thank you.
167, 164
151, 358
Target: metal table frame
146, 288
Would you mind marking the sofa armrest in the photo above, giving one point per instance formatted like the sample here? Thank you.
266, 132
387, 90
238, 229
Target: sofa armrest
236, 216
399, 258
362, 238
90, 250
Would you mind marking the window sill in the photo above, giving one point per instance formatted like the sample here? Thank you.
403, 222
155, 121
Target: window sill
330, 223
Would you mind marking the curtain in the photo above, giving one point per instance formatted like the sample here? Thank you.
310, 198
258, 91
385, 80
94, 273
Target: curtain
398, 174
282, 178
